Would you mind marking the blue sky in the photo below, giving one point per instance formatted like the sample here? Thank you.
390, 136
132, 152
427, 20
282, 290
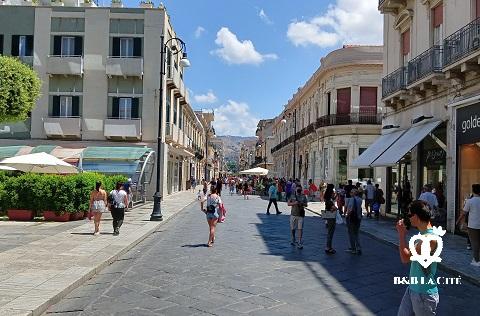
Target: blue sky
249, 56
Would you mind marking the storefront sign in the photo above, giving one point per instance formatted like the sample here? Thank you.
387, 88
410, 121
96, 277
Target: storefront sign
468, 124
435, 156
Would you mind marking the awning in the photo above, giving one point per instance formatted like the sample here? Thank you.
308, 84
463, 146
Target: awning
127, 168
11, 151
114, 153
405, 143
379, 146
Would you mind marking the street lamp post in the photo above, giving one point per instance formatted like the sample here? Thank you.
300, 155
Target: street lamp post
294, 138
157, 197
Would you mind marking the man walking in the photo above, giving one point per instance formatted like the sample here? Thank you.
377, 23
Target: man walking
420, 298
369, 196
272, 197
298, 203
288, 189
431, 199
348, 189
354, 217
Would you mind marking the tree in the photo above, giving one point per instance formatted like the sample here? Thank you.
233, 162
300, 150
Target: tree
19, 89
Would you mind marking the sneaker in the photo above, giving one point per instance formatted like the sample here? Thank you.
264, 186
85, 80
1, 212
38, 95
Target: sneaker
96, 234
469, 247
300, 245
278, 213
268, 213
475, 263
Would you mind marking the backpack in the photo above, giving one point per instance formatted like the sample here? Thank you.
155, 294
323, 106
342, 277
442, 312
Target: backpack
353, 217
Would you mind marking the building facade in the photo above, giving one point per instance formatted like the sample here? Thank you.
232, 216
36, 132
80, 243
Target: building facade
100, 73
431, 93
263, 154
332, 119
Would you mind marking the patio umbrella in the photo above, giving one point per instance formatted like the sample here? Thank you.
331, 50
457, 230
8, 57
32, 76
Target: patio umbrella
39, 163
5, 168
255, 171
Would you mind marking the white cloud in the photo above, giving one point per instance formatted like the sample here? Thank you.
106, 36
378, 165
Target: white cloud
264, 17
206, 98
234, 118
234, 51
345, 22
199, 31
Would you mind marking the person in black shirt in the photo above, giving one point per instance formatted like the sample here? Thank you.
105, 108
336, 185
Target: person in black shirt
348, 189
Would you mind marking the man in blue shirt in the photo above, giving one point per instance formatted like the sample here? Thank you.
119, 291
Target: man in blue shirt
272, 195
421, 296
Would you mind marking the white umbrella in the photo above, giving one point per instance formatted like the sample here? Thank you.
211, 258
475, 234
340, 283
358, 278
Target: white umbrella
255, 171
39, 163
5, 168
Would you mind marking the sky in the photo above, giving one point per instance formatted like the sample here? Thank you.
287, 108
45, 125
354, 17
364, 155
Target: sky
248, 57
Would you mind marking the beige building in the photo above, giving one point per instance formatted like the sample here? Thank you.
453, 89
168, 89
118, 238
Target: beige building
332, 119
100, 72
263, 154
431, 92
247, 155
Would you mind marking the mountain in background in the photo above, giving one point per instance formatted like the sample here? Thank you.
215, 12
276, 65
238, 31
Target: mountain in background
232, 145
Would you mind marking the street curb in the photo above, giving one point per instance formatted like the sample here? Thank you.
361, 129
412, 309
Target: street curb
52, 301
442, 266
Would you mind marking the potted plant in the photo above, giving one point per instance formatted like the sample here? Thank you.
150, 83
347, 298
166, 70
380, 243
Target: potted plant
87, 3
117, 4
57, 3
146, 4
15, 201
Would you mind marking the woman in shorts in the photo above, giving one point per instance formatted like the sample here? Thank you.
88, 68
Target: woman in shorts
98, 205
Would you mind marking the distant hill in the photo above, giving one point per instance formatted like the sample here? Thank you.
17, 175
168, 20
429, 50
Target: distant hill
233, 145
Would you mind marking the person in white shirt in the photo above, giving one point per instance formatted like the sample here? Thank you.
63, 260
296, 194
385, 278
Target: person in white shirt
472, 207
118, 202
369, 196
431, 199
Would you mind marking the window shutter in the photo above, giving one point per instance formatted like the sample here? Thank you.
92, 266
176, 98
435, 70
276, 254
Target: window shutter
115, 108
368, 99
135, 108
29, 49
15, 44
75, 106
343, 101
137, 47
437, 15
116, 46
78, 46
57, 45
406, 43
1, 44
56, 106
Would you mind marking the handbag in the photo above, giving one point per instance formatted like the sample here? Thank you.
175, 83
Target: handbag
338, 218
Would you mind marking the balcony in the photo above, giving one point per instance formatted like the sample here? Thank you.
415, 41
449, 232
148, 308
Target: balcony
361, 118
65, 65
122, 129
16, 130
424, 65
63, 127
124, 66
171, 133
394, 82
391, 6
173, 78
461, 50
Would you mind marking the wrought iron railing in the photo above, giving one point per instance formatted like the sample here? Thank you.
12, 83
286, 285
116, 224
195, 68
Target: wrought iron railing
425, 64
394, 82
368, 117
461, 43
380, 2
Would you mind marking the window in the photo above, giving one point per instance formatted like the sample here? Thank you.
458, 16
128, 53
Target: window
365, 173
169, 96
175, 111
437, 14
368, 99
1, 44
65, 106
343, 101
125, 108
22, 45
126, 47
68, 46
406, 47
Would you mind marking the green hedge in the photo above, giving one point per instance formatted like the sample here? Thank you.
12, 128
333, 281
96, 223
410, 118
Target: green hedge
40, 192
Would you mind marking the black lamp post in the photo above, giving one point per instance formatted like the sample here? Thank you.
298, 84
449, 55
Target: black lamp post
294, 138
157, 197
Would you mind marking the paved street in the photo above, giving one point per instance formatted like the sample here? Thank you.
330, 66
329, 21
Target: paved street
251, 270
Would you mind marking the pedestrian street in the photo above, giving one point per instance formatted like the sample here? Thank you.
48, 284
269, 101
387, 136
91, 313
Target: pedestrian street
251, 270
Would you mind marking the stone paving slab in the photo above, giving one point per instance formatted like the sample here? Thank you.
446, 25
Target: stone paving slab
455, 256
41, 262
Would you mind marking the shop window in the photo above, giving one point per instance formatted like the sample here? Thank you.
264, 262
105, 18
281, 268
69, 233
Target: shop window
468, 172
365, 173
342, 165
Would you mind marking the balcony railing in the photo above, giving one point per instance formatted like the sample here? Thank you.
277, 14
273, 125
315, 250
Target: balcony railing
124, 66
461, 43
394, 82
65, 65
119, 128
62, 126
427, 63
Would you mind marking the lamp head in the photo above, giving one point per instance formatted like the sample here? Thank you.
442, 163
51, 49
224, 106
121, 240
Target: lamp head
184, 62
284, 121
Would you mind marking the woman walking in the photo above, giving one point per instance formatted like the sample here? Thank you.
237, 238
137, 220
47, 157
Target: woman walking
118, 202
98, 205
245, 190
472, 208
330, 214
213, 213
